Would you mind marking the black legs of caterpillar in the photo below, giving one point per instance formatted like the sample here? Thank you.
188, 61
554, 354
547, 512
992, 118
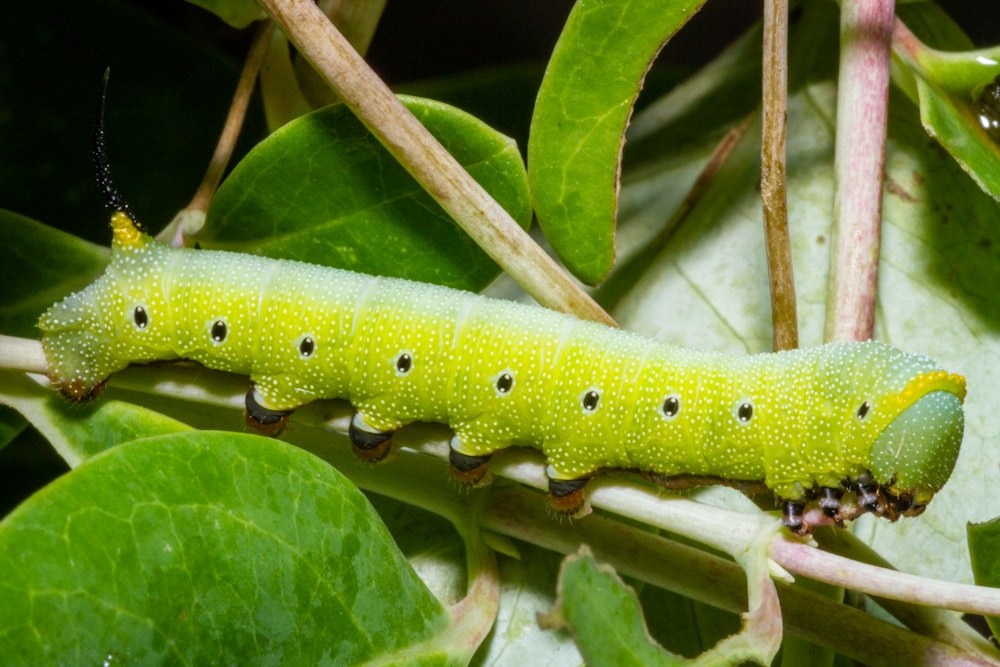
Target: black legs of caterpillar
264, 421
466, 469
369, 445
829, 501
821, 506
566, 496
824, 505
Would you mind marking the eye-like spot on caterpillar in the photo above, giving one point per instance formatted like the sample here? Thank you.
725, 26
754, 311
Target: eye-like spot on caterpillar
404, 363
140, 317
590, 400
671, 406
306, 346
744, 412
863, 410
504, 383
219, 331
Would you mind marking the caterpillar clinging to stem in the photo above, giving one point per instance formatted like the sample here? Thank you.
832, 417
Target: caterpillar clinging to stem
862, 419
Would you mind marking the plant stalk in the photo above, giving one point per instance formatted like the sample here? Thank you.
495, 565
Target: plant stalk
427, 161
773, 182
862, 115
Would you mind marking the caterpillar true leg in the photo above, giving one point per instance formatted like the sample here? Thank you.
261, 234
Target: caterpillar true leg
369, 444
791, 516
829, 501
868, 493
261, 420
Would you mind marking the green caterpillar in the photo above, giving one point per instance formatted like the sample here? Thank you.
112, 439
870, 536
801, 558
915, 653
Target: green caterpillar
809, 425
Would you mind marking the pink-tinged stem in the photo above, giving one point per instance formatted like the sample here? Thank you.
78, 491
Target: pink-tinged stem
862, 111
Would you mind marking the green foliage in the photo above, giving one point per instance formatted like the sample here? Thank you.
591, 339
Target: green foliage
190, 546
237, 546
947, 85
578, 130
326, 209
592, 600
984, 545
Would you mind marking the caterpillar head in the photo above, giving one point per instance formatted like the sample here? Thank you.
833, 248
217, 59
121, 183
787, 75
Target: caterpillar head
95, 332
916, 452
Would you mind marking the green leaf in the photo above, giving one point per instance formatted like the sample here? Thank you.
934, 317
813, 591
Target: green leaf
984, 546
11, 425
41, 265
578, 126
206, 548
947, 86
604, 616
953, 122
938, 261
323, 190
81, 431
237, 13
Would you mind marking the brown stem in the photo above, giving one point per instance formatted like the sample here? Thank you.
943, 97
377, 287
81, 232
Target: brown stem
773, 184
234, 120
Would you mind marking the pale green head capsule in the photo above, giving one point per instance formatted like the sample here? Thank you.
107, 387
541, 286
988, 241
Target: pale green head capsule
915, 454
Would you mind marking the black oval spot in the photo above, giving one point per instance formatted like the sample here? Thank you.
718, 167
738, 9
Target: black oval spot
140, 317
219, 331
404, 363
306, 346
590, 400
745, 412
505, 382
671, 406
863, 410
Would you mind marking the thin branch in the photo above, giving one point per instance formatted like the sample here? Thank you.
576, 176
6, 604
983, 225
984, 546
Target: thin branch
862, 116
773, 184
234, 120
22, 354
427, 161
191, 218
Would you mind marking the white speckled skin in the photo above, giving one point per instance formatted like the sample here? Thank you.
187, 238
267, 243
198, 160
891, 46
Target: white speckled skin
499, 373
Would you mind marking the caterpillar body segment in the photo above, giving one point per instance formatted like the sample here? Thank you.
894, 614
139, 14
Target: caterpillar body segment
862, 421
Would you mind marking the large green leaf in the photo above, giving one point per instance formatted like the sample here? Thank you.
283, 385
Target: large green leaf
578, 127
947, 86
708, 288
322, 189
41, 266
206, 548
